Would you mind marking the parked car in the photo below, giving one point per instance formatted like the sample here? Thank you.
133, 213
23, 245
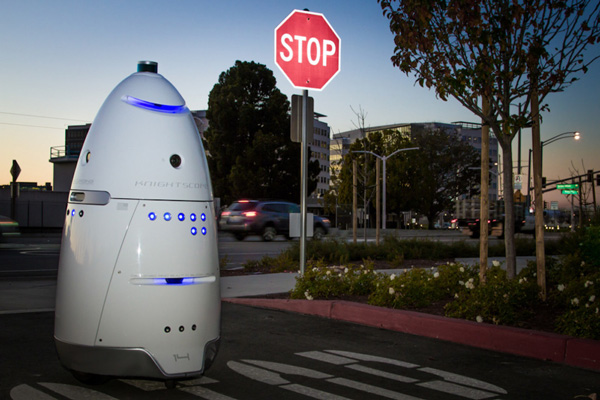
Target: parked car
8, 228
265, 218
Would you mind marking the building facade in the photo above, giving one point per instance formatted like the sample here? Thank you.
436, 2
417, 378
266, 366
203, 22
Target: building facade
467, 132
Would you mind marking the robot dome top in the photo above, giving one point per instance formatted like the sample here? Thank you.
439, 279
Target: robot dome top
144, 144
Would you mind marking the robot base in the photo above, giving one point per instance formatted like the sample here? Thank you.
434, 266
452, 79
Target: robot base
91, 363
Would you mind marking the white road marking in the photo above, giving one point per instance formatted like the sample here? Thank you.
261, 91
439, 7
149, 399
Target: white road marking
257, 374
328, 358
289, 369
26, 392
458, 390
76, 392
314, 393
463, 380
383, 374
207, 394
372, 389
368, 357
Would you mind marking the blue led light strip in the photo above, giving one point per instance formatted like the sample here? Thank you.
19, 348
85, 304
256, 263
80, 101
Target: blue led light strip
147, 105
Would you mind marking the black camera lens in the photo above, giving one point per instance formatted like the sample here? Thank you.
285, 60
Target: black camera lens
175, 161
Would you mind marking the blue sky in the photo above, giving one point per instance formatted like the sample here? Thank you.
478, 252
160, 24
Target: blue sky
61, 59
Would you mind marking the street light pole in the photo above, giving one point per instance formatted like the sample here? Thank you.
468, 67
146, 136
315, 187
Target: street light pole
565, 135
384, 160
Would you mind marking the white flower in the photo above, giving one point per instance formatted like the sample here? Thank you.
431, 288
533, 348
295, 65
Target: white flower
456, 295
583, 263
392, 277
561, 287
479, 319
597, 309
592, 298
462, 269
575, 301
391, 290
461, 283
307, 295
299, 272
470, 285
588, 283
436, 275
328, 272
496, 263
524, 279
315, 269
346, 270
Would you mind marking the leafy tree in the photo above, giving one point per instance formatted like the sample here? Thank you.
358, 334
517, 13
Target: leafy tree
441, 170
248, 139
427, 180
497, 52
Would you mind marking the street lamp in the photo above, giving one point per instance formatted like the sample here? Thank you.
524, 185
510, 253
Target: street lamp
565, 135
384, 159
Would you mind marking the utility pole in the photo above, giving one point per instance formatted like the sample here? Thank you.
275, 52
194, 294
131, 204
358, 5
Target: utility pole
377, 201
354, 202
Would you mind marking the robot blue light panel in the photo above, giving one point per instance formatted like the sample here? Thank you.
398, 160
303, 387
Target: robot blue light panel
138, 281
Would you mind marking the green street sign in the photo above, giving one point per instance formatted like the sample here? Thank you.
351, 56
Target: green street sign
570, 191
568, 186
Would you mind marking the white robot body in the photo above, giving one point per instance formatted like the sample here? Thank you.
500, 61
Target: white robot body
138, 282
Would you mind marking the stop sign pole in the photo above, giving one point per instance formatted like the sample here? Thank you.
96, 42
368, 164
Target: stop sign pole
307, 50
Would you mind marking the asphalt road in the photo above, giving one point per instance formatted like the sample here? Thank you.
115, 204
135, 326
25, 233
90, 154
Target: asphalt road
38, 256
277, 355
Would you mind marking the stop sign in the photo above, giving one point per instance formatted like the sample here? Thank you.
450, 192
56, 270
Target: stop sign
307, 50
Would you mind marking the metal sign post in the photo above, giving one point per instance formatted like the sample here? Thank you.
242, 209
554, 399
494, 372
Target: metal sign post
307, 50
303, 179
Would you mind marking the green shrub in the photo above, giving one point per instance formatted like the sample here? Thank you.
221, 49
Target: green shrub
499, 300
324, 282
410, 289
581, 300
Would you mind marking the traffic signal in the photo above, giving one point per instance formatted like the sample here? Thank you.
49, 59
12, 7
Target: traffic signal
590, 175
598, 180
545, 205
543, 181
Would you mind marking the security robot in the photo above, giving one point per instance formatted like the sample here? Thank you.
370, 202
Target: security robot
138, 281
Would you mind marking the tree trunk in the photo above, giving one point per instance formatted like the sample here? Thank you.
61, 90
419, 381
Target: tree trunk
540, 254
509, 209
484, 204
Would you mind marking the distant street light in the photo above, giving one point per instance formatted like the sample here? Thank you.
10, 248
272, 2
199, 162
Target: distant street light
565, 135
384, 159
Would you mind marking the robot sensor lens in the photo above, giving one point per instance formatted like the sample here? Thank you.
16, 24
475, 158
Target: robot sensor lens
194, 231
194, 327
175, 161
181, 216
81, 213
181, 328
87, 157
204, 231
193, 217
167, 216
72, 212
152, 216
203, 217
174, 281
167, 329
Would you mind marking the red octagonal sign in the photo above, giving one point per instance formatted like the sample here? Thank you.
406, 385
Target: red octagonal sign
307, 50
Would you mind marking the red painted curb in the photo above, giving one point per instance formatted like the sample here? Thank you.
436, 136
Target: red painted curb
583, 353
523, 342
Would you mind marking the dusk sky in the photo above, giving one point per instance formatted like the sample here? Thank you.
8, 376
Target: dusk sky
60, 60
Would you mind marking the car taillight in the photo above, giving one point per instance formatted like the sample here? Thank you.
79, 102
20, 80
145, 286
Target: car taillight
249, 214
226, 213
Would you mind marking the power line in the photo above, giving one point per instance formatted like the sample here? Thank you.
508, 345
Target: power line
42, 116
33, 126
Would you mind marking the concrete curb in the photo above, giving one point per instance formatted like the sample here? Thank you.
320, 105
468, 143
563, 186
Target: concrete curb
523, 342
